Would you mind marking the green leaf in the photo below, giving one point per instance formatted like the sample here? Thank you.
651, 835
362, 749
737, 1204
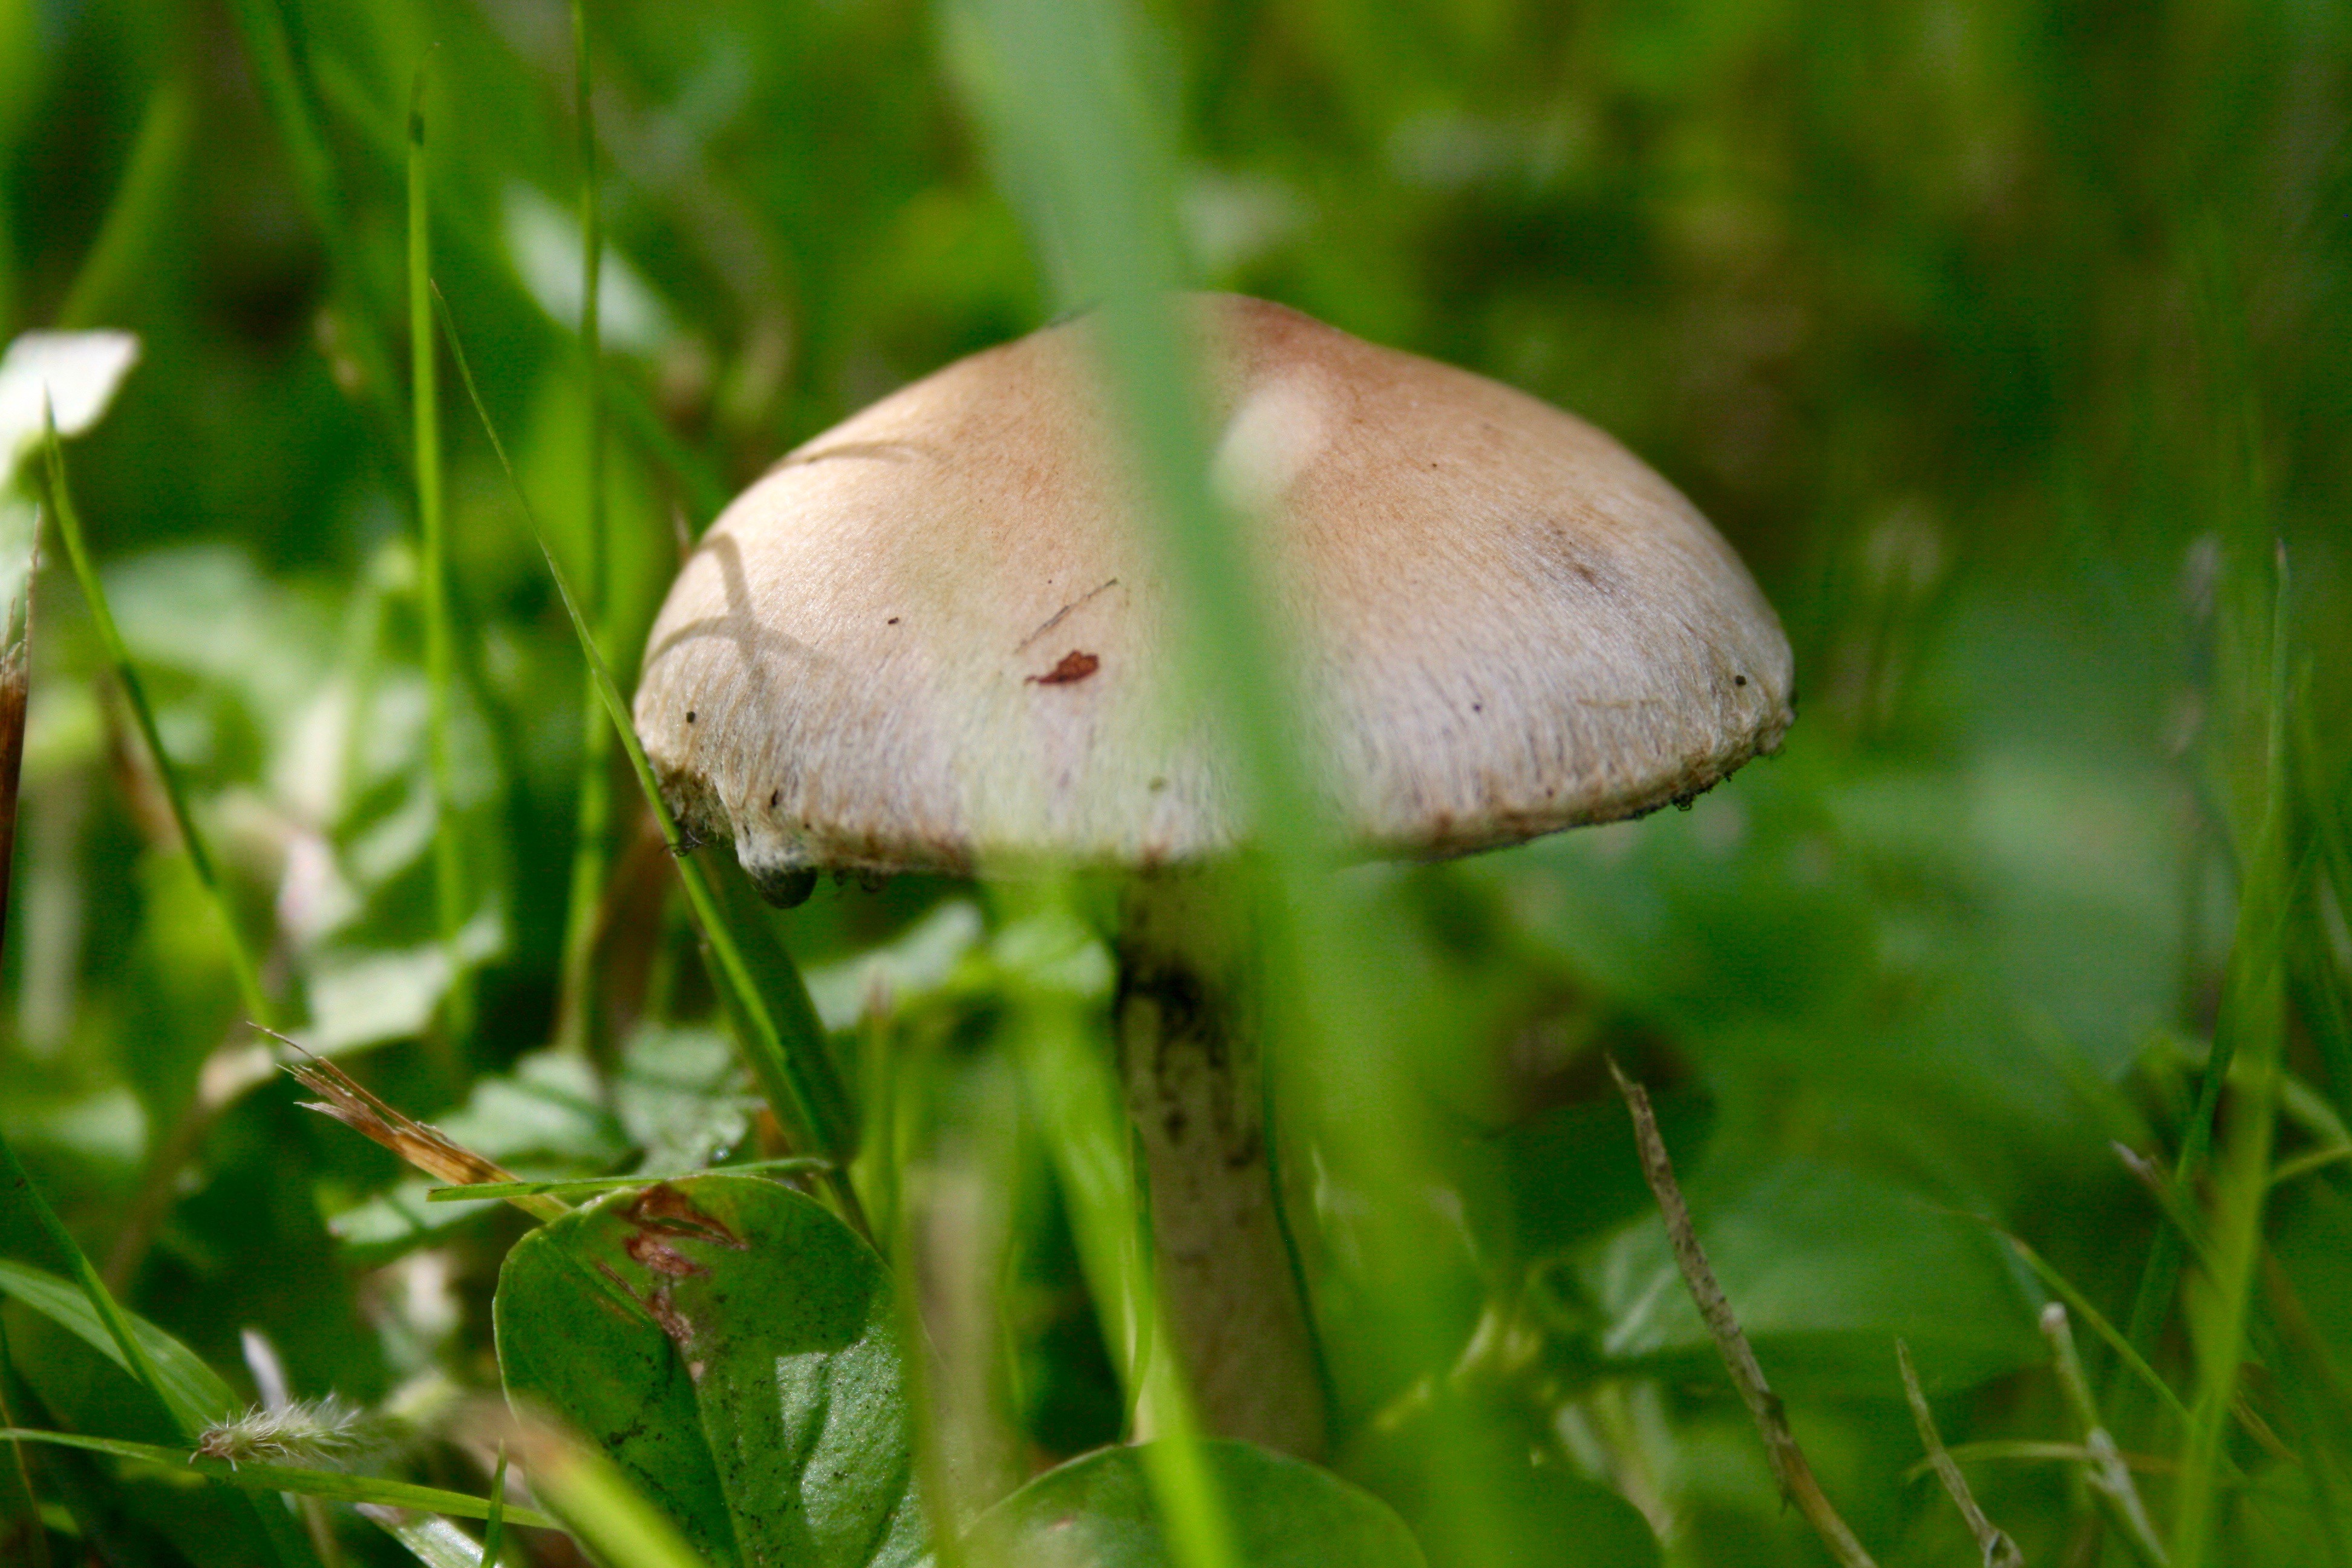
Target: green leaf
1096, 1512
733, 1347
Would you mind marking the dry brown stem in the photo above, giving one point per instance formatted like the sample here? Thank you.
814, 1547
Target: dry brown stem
1789, 1466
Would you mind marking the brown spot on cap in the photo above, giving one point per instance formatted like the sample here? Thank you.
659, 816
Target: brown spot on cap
1075, 667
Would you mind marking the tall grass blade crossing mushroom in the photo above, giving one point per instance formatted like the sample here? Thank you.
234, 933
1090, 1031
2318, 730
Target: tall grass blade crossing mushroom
936, 638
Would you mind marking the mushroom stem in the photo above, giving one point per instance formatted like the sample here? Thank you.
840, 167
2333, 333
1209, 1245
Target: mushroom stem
1188, 1043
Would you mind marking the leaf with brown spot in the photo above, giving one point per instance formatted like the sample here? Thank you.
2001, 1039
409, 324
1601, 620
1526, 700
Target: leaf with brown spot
734, 1348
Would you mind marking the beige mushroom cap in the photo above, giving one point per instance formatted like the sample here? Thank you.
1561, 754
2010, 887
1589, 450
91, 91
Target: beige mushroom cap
935, 637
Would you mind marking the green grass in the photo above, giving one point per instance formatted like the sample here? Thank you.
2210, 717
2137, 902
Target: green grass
2001, 341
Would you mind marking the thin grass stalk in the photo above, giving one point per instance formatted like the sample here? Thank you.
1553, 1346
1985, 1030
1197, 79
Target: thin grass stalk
2243, 662
22, 1537
2253, 1019
276, 49
135, 218
2102, 1468
1994, 1544
785, 1044
2127, 1357
448, 873
493, 1528
933, 1469
296, 1480
60, 505
383, 139
591, 1186
592, 826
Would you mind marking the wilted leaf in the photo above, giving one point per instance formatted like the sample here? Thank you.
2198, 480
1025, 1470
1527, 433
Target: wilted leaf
734, 1349
1098, 1512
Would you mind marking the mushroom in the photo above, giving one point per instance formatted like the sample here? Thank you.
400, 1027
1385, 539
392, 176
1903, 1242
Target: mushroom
936, 639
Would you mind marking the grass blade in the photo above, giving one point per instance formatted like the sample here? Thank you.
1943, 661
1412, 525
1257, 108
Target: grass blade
2104, 1468
2253, 1022
61, 506
1789, 1466
596, 1503
494, 1526
1086, 1128
1992, 1542
425, 1148
334, 1486
274, 47
778, 1026
592, 827
22, 1537
2126, 1354
591, 1185
193, 1396
448, 890
135, 219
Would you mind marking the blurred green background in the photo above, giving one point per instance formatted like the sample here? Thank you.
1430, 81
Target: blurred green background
2006, 342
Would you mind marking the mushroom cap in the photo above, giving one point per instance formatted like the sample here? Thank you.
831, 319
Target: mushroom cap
937, 636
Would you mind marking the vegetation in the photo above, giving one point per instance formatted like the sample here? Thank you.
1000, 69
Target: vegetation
2000, 1030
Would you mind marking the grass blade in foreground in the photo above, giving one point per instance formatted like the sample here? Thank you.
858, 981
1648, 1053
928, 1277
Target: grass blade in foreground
592, 824
596, 1503
779, 1029
2251, 1027
448, 891
60, 504
1078, 1104
1081, 128
335, 1486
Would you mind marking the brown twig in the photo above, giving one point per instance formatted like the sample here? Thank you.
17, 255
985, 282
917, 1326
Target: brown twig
1798, 1486
15, 660
1999, 1549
